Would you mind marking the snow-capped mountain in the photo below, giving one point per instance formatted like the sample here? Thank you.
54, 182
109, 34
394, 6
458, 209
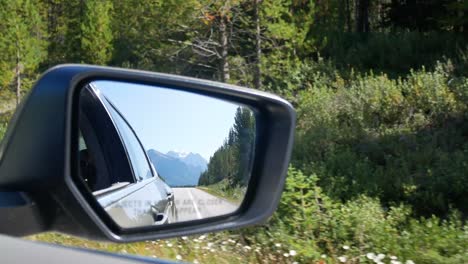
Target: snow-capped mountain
189, 158
177, 169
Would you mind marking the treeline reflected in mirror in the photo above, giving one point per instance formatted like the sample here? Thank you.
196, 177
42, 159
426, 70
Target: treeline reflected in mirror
153, 155
229, 167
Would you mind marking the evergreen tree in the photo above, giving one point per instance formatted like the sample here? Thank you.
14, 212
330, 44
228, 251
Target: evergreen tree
22, 43
74, 18
232, 161
56, 17
96, 40
152, 35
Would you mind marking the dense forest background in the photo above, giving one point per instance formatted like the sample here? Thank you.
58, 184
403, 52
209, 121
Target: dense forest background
381, 89
252, 43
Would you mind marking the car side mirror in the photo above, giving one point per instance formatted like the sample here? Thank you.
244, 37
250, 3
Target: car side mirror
124, 155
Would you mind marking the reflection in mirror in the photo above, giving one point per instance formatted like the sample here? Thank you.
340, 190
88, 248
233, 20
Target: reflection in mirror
154, 156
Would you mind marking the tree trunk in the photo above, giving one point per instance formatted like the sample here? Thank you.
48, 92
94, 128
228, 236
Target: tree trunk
362, 16
258, 48
223, 32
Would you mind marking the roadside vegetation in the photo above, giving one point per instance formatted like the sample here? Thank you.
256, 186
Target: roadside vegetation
379, 167
223, 189
228, 171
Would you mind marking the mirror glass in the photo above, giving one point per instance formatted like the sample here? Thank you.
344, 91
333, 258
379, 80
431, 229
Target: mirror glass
156, 156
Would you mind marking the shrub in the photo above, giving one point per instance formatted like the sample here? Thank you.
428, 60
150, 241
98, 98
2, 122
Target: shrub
401, 140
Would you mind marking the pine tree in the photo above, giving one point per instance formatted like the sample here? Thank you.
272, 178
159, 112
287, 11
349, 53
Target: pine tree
232, 161
22, 41
96, 33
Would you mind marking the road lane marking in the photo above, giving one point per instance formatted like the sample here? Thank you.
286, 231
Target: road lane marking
194, 204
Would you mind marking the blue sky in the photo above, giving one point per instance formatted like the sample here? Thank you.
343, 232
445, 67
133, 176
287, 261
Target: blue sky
166, 119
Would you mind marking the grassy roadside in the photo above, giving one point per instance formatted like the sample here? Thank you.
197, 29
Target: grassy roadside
213, 248
223, 190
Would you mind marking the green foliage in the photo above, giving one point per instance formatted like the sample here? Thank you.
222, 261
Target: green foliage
151, 36
3, 128
394, 53
320, 228
288, 25
96, 41
226, 190
22, 41
231, 163
400, 140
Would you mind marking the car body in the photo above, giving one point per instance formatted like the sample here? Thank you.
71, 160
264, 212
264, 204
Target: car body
131, 192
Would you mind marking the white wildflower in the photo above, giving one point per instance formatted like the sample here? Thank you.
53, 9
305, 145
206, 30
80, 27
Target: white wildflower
345, 247
184, 238
202, 237
395, 261
323, 256
169, 244
393, 257
210, 244
370, 256
247, 248
178, 257
342, 259
409, 261
292, 252
195, 261
379, 257
286, 255
277, 245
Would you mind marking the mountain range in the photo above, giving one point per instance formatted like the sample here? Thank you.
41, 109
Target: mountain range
178, 168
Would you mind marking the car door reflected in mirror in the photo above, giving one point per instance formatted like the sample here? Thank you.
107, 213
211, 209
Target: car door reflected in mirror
155, 156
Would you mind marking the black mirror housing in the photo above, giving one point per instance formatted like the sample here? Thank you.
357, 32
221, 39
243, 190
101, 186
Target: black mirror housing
38, 163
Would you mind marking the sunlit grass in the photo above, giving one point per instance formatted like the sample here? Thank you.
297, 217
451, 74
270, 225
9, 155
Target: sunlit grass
217, 248
196, 249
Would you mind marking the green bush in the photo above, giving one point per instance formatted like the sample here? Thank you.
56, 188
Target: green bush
401, 140
318, 228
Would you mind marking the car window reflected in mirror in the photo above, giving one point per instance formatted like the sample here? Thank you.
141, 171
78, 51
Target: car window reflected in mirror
155, 156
